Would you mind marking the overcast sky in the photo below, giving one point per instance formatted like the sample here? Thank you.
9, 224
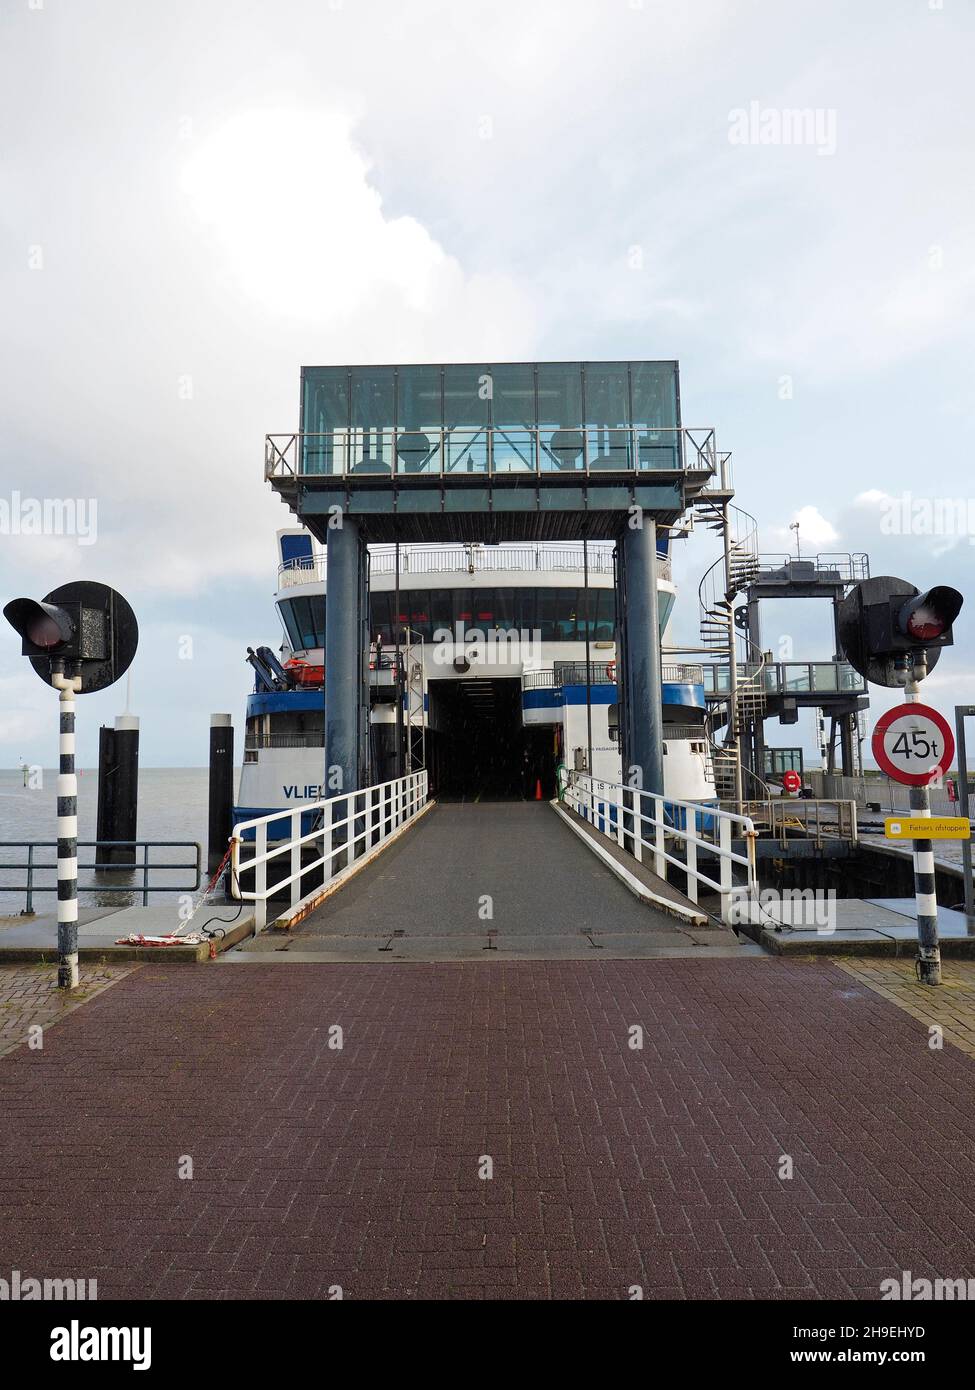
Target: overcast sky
199, 197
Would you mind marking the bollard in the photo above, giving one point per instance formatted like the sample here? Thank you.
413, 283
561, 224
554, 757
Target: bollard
118, 790
221, 808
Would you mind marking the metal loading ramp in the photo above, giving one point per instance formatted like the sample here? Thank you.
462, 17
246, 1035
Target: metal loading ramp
487, 881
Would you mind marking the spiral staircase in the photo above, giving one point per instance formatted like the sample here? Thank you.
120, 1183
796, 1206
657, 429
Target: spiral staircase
727, 578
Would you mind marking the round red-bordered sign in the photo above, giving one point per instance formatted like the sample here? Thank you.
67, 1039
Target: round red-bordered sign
914, 744
791, 780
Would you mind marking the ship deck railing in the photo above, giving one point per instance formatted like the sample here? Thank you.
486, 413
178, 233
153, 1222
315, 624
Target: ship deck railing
602, 673
460, 559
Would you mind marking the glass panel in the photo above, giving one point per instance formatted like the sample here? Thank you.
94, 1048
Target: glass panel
418, 403
569, 614
379, 619
607, 394
466, 395
604, 609
504, 610
418, 451
325, 408
825, 677
482, 619
372, 398
401, 615
466, 450
560, 395
654, 389
368, 451
306, 622
290, 626
546, 621
420, 612
560, 415
525, 605
325, 398
513, 450
609, 449
513, 394
463, 608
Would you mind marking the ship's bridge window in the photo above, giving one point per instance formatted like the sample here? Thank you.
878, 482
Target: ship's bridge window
554, 614
304, 621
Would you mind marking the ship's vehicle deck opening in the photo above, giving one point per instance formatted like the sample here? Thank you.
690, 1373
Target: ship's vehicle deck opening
477, 746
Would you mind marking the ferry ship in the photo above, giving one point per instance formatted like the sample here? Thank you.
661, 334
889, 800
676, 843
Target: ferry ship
477, 671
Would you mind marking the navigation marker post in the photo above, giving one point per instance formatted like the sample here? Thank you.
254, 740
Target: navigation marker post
914, 745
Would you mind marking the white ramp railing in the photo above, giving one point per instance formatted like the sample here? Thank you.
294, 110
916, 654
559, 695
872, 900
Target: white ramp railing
346, 827
655, 826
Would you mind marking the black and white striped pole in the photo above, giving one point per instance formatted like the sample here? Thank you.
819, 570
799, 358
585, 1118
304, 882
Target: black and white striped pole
913, 744
925, 897
79, 638
68, 687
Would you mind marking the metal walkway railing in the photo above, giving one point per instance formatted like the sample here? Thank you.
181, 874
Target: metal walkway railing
140, 866
656, 825
345, 827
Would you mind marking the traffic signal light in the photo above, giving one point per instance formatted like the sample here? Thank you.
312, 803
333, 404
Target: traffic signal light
928, 617
52, 630
81, 629
883, 621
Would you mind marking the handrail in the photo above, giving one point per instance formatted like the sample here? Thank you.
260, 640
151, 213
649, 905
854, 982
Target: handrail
143, 866
491, 449
840, 678
601, 673
455, 559
622, 812
371, 816
850, 566
818, 818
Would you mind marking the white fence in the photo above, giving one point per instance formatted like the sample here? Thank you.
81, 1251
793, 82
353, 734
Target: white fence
655, 826
346, 827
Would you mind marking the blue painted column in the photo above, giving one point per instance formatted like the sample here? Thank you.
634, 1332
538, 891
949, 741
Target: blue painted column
643, 763
344, 569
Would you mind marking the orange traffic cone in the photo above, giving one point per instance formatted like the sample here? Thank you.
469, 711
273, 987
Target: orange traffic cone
538, 789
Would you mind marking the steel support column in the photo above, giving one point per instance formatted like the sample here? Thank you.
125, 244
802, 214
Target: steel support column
846, 744
643, 763
345, 562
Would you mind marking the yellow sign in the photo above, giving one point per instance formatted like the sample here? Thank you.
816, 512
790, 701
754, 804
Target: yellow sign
927, 828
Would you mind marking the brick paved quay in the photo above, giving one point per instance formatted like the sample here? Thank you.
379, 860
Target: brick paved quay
29, 996
612, 1167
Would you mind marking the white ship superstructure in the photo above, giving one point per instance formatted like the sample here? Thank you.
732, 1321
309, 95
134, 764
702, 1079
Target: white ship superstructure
478, 668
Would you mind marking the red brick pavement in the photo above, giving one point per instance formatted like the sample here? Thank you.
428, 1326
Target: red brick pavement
613, 1167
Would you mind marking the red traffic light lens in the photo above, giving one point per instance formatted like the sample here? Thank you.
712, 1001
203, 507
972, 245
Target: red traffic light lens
925, 623
43, 631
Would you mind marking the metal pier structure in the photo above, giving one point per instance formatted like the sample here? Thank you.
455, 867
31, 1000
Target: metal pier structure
490, 453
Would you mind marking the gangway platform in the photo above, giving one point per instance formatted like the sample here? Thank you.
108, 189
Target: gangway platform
487, 881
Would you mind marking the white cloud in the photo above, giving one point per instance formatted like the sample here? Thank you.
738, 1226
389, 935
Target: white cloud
815, 531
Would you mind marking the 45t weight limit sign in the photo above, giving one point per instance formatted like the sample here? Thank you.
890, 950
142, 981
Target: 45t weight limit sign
914, 744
